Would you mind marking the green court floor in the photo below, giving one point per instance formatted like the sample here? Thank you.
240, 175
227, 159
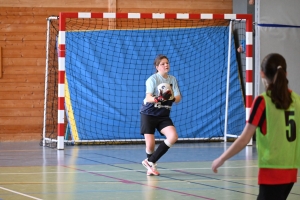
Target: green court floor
110, 172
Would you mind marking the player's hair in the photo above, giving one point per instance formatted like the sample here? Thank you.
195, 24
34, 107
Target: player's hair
158, 59
274, 68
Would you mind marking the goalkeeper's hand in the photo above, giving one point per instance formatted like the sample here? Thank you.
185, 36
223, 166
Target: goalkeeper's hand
163, 96
173, 100
167, 95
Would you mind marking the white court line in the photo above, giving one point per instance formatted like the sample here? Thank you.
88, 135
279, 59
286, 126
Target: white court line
20, 193
113, 171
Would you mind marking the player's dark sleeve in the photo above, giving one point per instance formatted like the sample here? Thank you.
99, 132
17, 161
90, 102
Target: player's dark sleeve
258, 112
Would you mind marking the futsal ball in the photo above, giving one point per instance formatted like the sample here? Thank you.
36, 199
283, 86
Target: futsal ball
164, 87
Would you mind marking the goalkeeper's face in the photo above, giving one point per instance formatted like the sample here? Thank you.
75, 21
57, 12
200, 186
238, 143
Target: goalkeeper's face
164, 66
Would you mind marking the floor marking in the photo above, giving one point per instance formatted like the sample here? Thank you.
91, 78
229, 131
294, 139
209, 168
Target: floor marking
113, 171
125, 181
20, 193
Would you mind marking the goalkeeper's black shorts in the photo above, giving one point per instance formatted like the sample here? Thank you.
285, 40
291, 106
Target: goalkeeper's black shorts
149, 123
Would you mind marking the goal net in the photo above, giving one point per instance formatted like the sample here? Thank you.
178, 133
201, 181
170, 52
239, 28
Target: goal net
97, 65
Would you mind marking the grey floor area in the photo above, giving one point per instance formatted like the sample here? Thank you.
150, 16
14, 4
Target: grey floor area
30, 171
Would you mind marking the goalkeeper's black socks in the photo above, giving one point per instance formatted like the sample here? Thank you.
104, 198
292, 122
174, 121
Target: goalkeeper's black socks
160, 151
148, 155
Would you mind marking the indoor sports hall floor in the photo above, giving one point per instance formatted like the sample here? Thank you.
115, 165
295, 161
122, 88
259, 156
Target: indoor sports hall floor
29, 171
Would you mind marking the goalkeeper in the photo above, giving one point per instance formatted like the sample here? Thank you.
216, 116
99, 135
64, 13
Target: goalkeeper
161, 92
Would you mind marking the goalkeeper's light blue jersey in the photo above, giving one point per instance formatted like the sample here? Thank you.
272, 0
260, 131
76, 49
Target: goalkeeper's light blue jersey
161, 108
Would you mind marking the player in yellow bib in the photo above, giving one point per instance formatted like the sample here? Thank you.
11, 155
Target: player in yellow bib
275, 117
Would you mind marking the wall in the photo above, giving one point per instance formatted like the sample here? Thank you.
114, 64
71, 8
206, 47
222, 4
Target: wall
22, 52
276, 39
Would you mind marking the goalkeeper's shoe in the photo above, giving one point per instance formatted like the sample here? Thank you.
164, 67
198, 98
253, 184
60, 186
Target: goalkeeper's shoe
151, 168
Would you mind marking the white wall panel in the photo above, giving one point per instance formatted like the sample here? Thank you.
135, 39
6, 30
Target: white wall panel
283, 40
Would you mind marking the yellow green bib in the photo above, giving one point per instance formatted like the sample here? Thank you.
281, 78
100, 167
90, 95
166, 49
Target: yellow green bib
280, 147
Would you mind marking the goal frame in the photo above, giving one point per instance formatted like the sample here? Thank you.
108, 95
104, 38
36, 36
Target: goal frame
63, 16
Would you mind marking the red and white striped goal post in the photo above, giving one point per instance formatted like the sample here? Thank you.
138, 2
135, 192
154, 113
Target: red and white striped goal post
183, 16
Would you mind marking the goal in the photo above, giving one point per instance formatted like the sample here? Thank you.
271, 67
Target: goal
97, 65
